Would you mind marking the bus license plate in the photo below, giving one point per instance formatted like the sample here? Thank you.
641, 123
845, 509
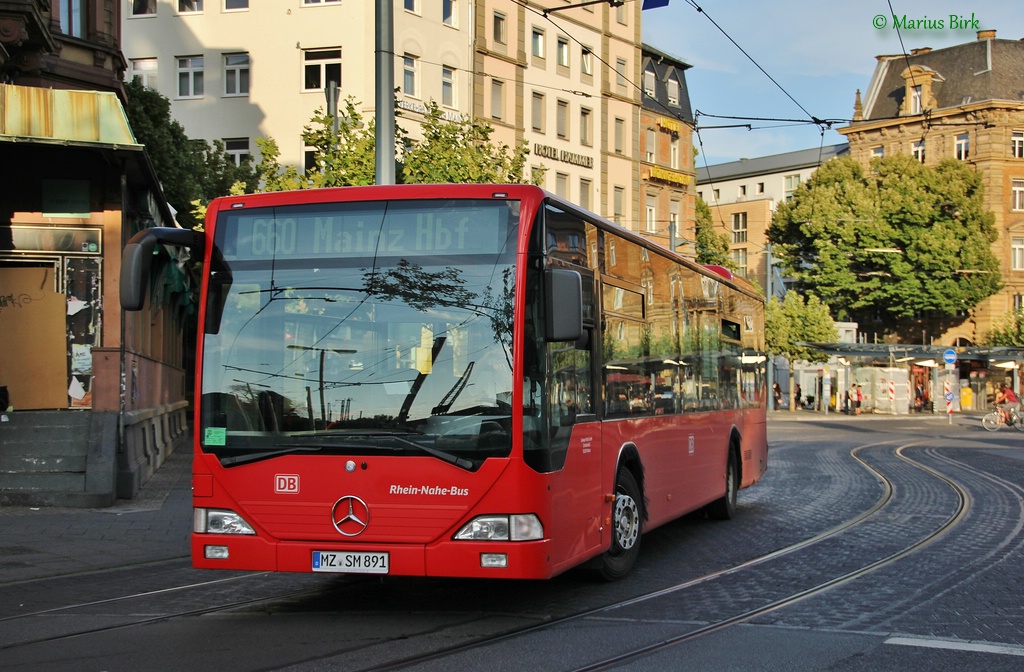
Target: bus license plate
350, 562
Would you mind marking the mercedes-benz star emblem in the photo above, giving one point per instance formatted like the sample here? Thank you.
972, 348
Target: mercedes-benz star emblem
350, 516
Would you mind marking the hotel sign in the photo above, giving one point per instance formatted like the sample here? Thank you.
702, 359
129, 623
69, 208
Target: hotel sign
670, 125
666, 175
416, 106
563, 155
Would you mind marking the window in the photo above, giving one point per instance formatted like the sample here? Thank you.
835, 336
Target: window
190, 76
562, 119
410, 64
238, 150
190, 6
620, 134
143, 7
673, 91
317, 2
651, 214
739, 227
537, 112
586, 127
791, 182
742, 191
673, 152
918, 150
962, 148
760, 187
739, 259
585, 189
447, 86
562, 54
449, 12
411, 6
72, 17
321, 66
236, 74
620, 13
673, 217
497, 99
587, 62
651, 141
620, 74
309, 159
877, 152
915, 99
649, 79
1017, 145
144, 69
537, 42
236, 4
499, 29
1017, 195
1017, 254
562, 185
618, 199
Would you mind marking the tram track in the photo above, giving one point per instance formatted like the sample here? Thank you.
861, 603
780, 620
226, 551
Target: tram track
879, 506
612, 661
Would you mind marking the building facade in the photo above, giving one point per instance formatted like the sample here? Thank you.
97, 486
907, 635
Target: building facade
93, 403
743, 196
667, 173
962, 102
564, 80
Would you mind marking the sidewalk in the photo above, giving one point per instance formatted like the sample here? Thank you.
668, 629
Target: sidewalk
37, 542
801, 415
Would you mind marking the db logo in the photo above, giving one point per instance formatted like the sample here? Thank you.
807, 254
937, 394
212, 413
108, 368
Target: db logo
286, 483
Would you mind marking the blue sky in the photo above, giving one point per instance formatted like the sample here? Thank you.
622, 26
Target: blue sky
819, 51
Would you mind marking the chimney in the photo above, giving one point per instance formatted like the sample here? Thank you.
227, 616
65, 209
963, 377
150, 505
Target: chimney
918, 52
986, 35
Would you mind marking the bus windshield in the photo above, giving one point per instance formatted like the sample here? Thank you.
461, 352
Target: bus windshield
361, 328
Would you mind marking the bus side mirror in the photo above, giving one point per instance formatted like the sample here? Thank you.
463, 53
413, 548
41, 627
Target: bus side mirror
138, 256
563, 305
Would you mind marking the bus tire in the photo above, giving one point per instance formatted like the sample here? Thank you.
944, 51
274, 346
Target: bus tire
627, 517
724, 508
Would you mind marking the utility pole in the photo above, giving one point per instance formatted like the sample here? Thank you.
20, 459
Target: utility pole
385, 85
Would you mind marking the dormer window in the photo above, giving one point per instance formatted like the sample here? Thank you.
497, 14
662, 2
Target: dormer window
918, 95
649, 80
915, 99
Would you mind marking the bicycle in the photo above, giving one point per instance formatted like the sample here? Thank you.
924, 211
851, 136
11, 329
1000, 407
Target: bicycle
994, 421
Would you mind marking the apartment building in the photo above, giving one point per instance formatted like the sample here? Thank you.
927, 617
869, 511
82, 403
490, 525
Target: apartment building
667, 172
562, 77
962, 102
743, 196
97, 402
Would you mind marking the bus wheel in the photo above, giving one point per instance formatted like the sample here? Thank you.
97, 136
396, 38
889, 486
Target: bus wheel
724, 508
627, 516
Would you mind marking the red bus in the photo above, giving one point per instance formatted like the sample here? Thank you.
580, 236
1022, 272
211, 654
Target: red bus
456, 380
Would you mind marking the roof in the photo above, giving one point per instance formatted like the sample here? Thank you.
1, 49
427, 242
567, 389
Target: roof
666, 67
983, 70
774, 163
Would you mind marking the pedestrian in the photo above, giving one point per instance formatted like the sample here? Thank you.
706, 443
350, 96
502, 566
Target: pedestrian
798, 395
858, 400
777, 395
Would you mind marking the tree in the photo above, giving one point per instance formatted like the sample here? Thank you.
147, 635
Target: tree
461, 152
1008, 333
450, 152
903, 242
189, 170
790, 324
712, 247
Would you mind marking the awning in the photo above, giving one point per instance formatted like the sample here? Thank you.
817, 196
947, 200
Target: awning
906, 352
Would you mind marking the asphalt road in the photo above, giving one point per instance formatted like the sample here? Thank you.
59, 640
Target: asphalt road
871, 543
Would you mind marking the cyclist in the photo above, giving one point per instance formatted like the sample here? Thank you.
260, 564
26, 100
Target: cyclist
1006, 401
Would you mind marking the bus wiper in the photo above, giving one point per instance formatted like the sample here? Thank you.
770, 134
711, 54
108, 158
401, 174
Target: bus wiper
400, 437
259, 456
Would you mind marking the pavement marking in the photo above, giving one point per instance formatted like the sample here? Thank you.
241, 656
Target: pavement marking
958, 645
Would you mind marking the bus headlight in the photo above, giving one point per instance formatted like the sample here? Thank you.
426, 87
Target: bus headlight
219, 521
517, 527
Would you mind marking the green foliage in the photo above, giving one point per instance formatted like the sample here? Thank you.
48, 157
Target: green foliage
1008, 333
189, 170
793, 321
904, 240
712, 247
463, 152
449, 152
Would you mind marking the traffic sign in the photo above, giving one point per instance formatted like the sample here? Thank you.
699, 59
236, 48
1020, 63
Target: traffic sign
949, 396
949, 356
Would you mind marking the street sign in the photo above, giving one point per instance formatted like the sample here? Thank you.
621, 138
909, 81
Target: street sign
949, 396
949, 356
